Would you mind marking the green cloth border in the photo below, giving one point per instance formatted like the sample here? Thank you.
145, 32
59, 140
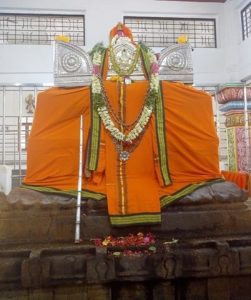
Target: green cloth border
145, 60
93, 151
161, 137
103, 58
137, 219
84, 193
165, 200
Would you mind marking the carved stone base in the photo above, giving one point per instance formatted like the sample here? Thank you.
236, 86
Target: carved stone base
30, 217
211, 261
203, 269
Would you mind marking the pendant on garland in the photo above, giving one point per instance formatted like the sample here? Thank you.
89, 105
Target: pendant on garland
124, 155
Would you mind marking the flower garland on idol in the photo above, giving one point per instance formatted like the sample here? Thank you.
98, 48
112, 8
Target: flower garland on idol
103, 109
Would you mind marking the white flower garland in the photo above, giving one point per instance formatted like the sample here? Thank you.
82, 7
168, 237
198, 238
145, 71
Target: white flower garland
103, 110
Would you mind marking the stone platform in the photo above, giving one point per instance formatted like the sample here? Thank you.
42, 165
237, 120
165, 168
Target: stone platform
201, 269
211, 260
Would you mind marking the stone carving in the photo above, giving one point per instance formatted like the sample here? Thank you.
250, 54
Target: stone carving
225, 260
35, 272
170, 265
30, 104
20, 198
228, 93
217, 193
100, 267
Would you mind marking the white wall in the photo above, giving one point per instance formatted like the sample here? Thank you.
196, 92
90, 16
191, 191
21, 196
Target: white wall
34, 63
244, 50
237, 52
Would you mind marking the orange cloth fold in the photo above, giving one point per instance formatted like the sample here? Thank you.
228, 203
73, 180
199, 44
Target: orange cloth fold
52, 158
239, 178
192, 142
133, 187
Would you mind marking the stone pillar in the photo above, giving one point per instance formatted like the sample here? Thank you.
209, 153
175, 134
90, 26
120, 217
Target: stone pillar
231, 98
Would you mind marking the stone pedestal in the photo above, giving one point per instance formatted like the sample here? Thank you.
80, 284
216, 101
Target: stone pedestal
210, 261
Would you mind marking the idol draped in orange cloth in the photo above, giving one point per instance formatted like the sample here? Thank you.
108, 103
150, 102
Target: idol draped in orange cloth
135, 189
146, 143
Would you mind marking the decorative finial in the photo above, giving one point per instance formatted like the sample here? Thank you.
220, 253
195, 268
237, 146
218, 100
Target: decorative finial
62, 38
120, 30
183, 39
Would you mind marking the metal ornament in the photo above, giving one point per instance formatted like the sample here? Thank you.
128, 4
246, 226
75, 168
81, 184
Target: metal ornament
124, 155
71, 62
175, 63
124, 59
72, 65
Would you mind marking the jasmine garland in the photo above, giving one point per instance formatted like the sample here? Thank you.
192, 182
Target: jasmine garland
103, 110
